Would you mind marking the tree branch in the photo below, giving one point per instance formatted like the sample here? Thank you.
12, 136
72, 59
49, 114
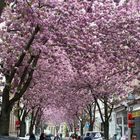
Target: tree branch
20, 60
19, 94
94, 111
110, 112
25, 73
108, 103
99, 110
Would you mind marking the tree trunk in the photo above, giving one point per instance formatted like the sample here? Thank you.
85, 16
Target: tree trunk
92, 117
4, 122
42, 126
22, 117
70, 125
106, 122
38, 124
75, 130
74, 127
90, 120
31, 129
105, 117
106, 130
34, 116
37, 129
81, 128
22, 128
90, 126
5, 112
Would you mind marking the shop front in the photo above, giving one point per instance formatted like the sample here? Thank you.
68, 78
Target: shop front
136, 128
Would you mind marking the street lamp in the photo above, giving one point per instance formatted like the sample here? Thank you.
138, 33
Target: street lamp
131, 99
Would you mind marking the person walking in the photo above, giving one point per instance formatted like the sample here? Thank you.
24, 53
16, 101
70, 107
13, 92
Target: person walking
60, 136
32, 137
42, 136
79, 138
57, 137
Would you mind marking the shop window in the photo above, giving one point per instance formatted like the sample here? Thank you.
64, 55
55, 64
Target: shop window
119, 120
125, 120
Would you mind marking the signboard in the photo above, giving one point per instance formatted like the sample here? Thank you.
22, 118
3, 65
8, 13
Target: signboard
17, 123
136, 114
87, 124
130, 119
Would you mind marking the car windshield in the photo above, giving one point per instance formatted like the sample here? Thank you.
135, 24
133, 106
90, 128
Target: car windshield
87, 134
96, 134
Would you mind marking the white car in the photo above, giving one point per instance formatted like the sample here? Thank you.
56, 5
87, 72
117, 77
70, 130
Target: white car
95, 135
23, 138
27, 137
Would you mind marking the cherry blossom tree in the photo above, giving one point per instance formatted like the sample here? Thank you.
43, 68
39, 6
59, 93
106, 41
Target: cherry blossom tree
89, 44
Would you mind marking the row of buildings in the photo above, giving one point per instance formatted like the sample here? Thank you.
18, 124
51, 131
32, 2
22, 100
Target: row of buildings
120, 117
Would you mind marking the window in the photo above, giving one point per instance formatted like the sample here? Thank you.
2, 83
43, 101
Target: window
125, 120
119, 120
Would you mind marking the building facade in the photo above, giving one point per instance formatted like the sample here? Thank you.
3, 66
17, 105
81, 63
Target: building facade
54, 129
121, 118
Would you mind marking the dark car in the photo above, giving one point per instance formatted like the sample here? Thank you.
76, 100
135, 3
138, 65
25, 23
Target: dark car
87, 138
49, 137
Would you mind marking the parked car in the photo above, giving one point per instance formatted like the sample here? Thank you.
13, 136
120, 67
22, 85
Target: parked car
95, 135
27, 137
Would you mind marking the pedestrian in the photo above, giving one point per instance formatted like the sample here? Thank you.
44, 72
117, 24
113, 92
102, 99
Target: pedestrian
78, 138
32, 137
133, 137
57, 137
73, 137
42, 136
60, 136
